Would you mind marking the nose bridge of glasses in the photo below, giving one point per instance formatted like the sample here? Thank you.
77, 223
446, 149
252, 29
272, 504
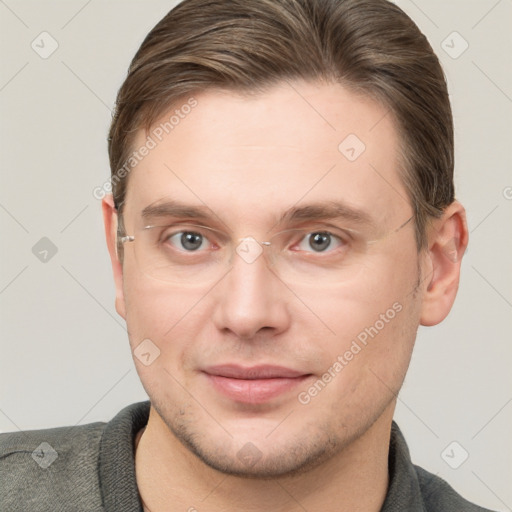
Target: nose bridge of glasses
249, 249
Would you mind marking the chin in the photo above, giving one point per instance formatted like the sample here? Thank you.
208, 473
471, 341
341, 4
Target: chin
249, 451
260, 460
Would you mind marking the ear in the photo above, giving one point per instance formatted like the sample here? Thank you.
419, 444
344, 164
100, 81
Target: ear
110, 221
447, 242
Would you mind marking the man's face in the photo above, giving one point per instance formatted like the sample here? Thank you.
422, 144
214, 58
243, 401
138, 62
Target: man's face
345, 336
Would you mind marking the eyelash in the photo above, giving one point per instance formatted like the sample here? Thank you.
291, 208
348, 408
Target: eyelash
342, 240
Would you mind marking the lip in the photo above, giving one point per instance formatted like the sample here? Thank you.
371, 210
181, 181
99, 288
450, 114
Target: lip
255, 384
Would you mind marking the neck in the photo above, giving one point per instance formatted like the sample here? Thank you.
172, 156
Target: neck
170, 477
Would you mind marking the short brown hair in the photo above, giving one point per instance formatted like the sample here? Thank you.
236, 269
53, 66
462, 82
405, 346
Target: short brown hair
369, 46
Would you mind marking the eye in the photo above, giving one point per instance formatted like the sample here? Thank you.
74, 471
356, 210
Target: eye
188, 241
320, 241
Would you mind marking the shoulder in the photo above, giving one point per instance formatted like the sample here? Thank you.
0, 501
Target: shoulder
414, 489
439, 495
40, 469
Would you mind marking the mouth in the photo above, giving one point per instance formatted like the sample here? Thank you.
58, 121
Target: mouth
256, 384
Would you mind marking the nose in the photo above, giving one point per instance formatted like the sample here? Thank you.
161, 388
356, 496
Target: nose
251, 299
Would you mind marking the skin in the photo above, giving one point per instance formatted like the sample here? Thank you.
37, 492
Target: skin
248, 159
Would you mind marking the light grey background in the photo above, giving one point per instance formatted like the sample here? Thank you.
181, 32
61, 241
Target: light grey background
65, 357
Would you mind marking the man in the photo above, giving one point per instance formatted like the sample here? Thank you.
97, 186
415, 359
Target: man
282, 221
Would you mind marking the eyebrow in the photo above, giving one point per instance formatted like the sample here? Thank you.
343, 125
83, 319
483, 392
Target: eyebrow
328, 210
172, 208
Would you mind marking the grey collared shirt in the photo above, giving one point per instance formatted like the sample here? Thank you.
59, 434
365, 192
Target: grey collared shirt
91, 468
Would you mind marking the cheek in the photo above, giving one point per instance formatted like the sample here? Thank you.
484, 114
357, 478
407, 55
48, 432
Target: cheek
377, 332
373, 320
365, 363
167, 317
381, 287
376, 335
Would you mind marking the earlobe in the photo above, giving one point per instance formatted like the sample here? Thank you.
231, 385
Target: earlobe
447, 242
110, 221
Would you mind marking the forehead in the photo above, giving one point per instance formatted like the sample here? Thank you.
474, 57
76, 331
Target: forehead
249, 158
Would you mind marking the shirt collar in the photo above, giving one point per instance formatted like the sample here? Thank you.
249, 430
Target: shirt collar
404, 492
119, 485
117, 459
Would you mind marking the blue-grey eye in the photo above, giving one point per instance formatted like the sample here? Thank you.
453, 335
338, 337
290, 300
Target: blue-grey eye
188, 240
319, 241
